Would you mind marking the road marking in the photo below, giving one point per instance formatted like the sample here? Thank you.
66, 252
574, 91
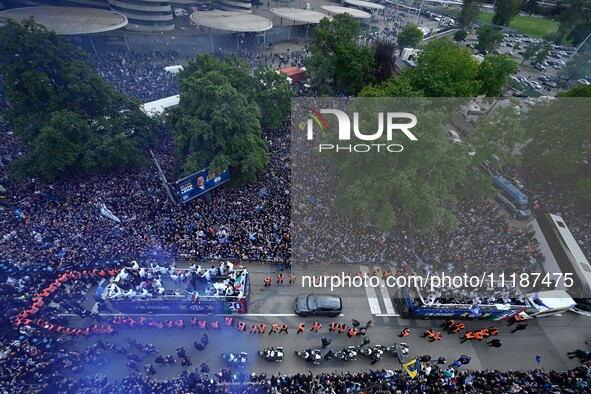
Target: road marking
372, 298
190, 315
387, 301
387, 314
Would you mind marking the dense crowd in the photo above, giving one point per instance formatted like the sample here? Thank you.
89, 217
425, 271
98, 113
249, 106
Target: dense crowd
58, 227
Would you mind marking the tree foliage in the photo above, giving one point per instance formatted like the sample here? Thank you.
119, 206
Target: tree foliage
470, 10
559, 147
69, 119
336, 60
488, 39
530, 7
578, 66
505, 11
460, 35
444, 70
417, 188
409, 37
217, 123
494, 73
384, 53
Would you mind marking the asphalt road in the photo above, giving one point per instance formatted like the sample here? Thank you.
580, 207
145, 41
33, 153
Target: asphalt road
549, 337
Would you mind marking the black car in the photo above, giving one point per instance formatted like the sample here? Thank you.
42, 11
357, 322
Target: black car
519, 94
318, 305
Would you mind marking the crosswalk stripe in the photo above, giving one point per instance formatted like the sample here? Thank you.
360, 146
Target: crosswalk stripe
372, 298
387, 301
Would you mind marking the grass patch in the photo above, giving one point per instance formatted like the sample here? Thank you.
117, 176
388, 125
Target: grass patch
533, 27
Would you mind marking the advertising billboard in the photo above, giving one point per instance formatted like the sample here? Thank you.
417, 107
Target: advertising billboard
200, 182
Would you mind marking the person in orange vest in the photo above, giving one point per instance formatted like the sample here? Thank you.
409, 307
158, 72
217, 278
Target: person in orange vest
342, 328
253, 329
301, 328
428, 333
283, 329
493, 330
242, 326
180, 323
141, 320
316, 326
267, 282
333, 326
193, 322
274, 328
203, 324
229, 321
292, 278
280, 278
435, 337
467, 335
485, 333
448, 324
404, 333
352, 332
262, 328
478, 335
168, 323
215, 325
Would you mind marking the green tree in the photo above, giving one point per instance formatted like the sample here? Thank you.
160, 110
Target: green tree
444, 70
385, 58
505, 11
542, 53
460, 35
409, 37
69, 119
571, 15
416, 189
470, 10
530, 51
580, 32
559, 146
488, 39
494, 73
577, 91
264, 86
530, 7
217, 126
336, 60
577, 67
498, 134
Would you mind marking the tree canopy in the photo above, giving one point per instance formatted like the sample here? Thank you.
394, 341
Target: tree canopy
69, 119
445, 70
417, 188
494, 72
488, 39
505, 11
470, 10
409, 37
460, 35
559, 147
217, 123
336, 60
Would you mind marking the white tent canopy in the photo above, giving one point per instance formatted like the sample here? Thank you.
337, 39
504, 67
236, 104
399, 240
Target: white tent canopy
157, 107
174, 69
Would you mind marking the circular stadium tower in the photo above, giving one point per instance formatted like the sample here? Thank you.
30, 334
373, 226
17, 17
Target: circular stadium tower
145, 15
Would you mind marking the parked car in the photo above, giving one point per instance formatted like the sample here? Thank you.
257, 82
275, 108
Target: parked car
455, 137
540, 67
584, 82
519, 94
551, 84
318, 305
544, 78
535, 85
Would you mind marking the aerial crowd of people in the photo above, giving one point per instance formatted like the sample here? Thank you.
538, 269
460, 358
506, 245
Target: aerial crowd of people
49, 229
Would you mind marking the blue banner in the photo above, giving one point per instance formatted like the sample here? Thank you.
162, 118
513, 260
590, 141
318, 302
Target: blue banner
199, 183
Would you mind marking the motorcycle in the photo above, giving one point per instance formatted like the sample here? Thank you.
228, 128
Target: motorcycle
236, 360
272, 354
375, 353
400, 350
347, 354
310, 355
